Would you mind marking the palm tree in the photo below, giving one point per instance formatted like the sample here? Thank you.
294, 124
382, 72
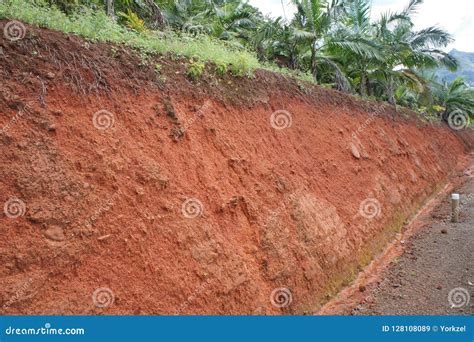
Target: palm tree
110, 8
320, 24
352, 41
405, 49
274, 40
312, 21
187, 15
156, 15
234, 19
454, 97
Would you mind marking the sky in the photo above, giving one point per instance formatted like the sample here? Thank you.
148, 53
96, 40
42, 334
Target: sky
455, 16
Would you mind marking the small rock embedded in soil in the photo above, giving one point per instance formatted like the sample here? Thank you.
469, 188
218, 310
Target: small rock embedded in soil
55, 233
105, 237
22, 144
355, 152
444, 231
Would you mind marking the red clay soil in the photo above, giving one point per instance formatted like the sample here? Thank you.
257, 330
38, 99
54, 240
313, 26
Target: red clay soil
103, 208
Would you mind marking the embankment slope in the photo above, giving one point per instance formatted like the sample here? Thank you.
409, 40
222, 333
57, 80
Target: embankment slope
105, 200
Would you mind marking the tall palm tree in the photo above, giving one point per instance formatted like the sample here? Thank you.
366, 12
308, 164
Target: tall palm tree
353, 40
312, 21
320, 25
187, 15
234, 19
110, 8
405, 49
274, 39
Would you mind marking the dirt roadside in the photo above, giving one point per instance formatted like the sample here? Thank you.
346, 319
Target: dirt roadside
435, 273
194, 197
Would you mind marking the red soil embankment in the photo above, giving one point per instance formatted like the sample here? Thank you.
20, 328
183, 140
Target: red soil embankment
280, 208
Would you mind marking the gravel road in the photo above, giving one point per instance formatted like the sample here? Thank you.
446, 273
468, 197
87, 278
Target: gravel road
435, 275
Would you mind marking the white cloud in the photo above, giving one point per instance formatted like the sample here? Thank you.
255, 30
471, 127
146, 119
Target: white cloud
455, 16
274, 8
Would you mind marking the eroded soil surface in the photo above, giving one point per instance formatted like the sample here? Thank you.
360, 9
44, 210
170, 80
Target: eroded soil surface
438, 260
171, 196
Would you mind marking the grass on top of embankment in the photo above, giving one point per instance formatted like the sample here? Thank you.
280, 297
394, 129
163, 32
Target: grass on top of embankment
96, 26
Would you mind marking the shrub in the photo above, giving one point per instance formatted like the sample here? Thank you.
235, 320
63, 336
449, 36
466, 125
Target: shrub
195, 69
132, 21
221, 68
240, 67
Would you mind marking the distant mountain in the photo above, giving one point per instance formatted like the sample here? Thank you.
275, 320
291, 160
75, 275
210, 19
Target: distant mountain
466, 67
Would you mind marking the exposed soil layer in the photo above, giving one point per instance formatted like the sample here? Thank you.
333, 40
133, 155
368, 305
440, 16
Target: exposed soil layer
426, 270
435, 275
105, 200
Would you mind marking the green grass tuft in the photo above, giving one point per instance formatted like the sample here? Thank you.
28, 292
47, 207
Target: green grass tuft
195, 69
96, 26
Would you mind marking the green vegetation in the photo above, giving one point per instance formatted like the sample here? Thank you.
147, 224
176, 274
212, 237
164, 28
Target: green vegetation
221, 69
195, 69
333, 43
96, 26
158, 68
132, 21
